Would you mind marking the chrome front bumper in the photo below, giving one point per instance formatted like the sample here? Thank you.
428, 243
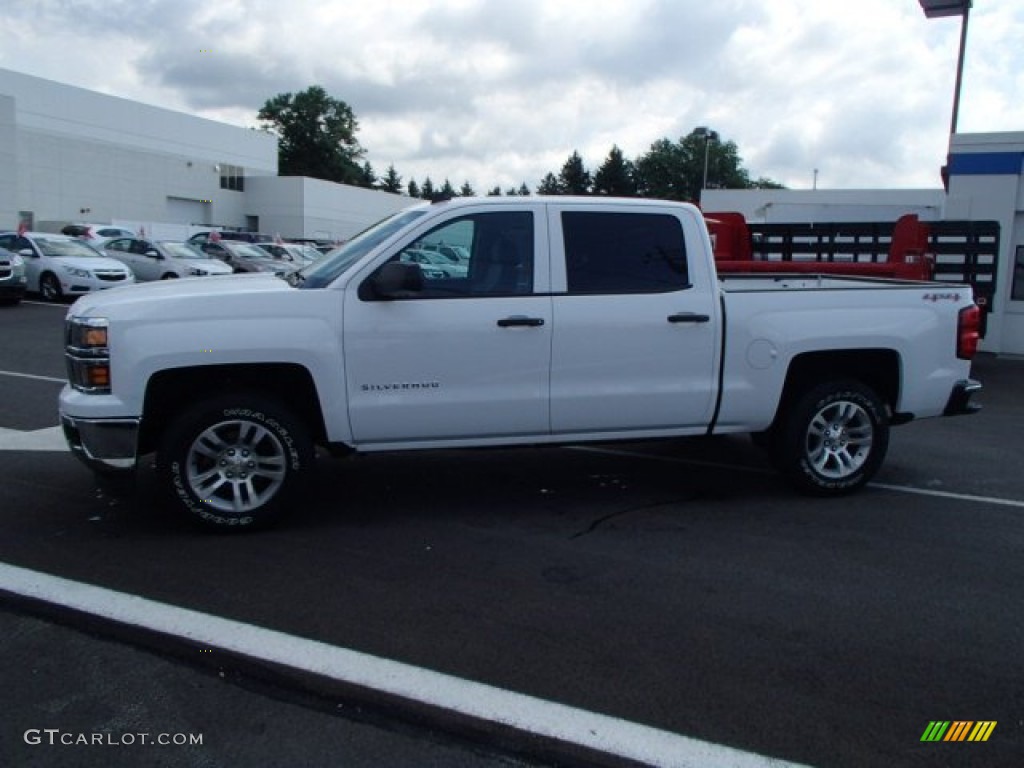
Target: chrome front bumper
103, 445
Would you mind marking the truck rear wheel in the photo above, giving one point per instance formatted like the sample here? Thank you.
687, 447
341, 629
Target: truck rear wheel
236, 461
833, 439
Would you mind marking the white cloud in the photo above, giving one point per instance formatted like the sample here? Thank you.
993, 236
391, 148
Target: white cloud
498, 93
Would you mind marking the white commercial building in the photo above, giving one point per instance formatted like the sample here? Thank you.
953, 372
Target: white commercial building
72, 155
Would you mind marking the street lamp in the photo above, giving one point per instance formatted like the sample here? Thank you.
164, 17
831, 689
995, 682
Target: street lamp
939, 9
709, 136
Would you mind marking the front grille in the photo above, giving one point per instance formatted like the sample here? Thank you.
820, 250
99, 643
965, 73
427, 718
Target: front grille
111, 276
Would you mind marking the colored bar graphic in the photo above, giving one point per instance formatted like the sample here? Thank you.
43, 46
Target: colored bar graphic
958, 730
982, 730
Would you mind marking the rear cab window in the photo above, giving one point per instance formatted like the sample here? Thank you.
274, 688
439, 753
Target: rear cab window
623, 252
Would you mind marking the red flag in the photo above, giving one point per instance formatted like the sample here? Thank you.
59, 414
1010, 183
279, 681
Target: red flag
22, 227
215, 236
278, 240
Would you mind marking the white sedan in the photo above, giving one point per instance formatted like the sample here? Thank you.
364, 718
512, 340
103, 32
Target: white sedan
162, 259
59, 266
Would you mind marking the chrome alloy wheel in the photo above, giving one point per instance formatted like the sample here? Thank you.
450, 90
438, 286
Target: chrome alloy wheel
839, 439
236, 466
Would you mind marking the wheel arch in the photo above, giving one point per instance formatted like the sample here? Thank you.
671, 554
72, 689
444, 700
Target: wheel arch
878, 369
169, 391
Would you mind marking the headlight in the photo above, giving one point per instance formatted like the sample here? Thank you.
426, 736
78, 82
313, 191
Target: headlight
77, 272
87, 354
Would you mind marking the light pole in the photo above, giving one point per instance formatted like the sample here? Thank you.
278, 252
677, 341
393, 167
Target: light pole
709, 136
938, 9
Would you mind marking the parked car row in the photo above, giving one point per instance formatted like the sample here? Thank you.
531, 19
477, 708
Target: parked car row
66, 266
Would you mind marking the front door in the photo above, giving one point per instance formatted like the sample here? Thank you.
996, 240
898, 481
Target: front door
467, 355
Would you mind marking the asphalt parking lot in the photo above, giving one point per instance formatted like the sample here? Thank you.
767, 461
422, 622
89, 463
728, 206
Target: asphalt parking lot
676, 586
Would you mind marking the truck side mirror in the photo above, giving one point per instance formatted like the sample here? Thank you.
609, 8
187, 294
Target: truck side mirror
396, 280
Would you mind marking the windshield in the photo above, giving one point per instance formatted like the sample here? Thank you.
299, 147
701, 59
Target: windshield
326, 270
246, 251
65, 248
183, 251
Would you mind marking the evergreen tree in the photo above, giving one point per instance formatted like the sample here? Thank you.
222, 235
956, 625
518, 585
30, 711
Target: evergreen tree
574, 178
467, 190
414, 189
496, 192
615, 177
524, 191
549, 185
427, 191
447, 191
369, 178
391, 182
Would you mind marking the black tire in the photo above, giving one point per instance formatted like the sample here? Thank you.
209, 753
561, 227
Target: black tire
49, 287
834, 438
168, 276
236, 462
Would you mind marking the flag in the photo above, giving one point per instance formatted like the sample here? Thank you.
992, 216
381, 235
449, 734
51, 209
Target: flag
22, 227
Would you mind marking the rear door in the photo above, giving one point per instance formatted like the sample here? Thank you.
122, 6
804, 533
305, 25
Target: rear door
465, 357
634, 345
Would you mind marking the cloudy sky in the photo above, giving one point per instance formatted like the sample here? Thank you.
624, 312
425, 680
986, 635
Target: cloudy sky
499, 92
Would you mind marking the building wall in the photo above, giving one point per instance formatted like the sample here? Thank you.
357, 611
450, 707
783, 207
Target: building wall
8, 163
86, 156
986, 181
807, 206
297, 206
69, 154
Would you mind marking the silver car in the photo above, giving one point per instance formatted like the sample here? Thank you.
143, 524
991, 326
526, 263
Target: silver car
163, 259
12, 277
58, 266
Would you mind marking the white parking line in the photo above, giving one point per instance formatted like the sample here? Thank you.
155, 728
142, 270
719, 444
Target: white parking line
590, 730
32, 376
760, 471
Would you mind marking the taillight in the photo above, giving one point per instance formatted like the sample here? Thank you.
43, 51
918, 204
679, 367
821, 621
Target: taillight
968, 332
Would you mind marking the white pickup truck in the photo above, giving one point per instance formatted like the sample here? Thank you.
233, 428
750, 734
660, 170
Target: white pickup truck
571, 320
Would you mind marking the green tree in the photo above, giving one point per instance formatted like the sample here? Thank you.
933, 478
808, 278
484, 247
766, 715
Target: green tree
615, 177
677, 170
524, 191
667, 172
368, 178
391, 182
447, 191
316, 135
496, 192
427, 191
466, 190
414, 189
549, 186
574, 178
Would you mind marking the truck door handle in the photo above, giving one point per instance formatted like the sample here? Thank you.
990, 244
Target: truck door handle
508, 322
688, 317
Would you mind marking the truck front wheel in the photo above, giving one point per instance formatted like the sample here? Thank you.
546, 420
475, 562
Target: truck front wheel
235, 462
834, 438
